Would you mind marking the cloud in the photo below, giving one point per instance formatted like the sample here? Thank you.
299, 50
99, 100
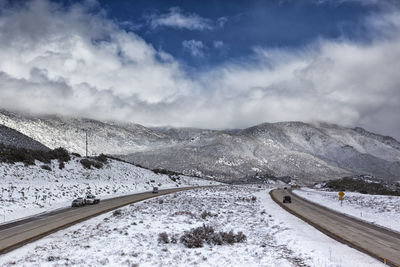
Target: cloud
222, 21
194, 47
218, 44
175, 18
387, 4
74, 61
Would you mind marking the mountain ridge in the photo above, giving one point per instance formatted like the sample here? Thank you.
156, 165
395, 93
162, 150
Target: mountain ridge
310, 152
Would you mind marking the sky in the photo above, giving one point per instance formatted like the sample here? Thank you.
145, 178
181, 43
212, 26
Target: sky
207, 64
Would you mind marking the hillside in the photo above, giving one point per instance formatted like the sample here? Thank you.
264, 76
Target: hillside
307, 152
11, 137
27, 190
70, 133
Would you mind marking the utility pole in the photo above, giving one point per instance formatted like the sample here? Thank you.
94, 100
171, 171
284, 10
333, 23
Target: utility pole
86, 143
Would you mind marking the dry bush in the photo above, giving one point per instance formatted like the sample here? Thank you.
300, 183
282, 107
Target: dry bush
163, 238
117, 213
206, 214
196, 237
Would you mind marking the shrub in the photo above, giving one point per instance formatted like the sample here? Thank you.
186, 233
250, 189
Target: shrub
191, 240
117, 213
174, 240
29, 160
61, 154
228, 237
42, 156
97, 165
61, 165
101, 158
86, 163
361, 186
52, 258
76, 155
240, 237
46, 167
163, 238
206, 214
12, 155
196, 237
166, 172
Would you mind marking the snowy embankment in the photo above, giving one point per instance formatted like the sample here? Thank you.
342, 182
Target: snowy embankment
28, 190
130, 236
380, 210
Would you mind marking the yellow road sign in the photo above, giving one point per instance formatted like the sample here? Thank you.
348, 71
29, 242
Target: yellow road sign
341, 198
341, 194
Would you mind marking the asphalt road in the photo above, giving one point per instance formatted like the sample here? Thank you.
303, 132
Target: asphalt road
380, 243
16, 234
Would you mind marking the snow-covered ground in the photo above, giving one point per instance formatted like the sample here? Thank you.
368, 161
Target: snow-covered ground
28, 190
377, 209
129, 236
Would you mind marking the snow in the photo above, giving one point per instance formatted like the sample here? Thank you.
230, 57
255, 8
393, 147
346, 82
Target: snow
380, 210
224, 161
274, 237
29, 190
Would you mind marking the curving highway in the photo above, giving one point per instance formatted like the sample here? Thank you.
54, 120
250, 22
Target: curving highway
16, 234
378, 242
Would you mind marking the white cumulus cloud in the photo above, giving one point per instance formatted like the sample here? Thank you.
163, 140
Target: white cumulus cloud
194, 47
177, 19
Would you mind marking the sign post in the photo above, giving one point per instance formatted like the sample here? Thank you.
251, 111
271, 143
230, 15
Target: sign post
341, 197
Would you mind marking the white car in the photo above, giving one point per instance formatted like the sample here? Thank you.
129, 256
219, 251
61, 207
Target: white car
91, 200
79, 202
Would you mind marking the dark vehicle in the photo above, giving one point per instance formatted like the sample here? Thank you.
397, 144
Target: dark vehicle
155, 190
79, 202
287, 199
91, 200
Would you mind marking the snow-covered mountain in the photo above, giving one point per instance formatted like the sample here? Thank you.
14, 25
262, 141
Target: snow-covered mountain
307, 152
304, 151
70, 133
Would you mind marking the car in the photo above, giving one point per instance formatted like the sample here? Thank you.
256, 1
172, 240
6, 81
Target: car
91, 200
287, 199
78, 202
155, 190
